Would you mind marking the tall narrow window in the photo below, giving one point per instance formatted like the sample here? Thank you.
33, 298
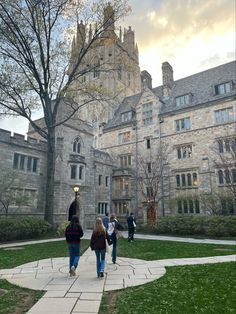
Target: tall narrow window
22, 162
189, 179
119, 73
179, 204
73, 172
107, 180
100, 179
178, 180
191, 207
227, 176
149, 167
183, 179
35, 163
195, 181
197, 206
220, 177
81, 168
148, 141
16, 161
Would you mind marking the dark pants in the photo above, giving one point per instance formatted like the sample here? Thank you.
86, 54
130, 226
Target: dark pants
131, 233
114, 244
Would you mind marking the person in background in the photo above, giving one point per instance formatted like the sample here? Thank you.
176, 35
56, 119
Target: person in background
106, 220
98, 244
112, 234
73, 234
131, 227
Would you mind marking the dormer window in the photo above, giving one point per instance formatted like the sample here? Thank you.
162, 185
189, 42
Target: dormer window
126, 116
223, 88
77, 145
183, 100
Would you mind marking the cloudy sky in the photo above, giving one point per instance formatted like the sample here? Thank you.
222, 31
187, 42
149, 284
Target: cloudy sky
192, 35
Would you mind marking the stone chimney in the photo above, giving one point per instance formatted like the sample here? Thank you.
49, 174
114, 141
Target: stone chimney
146, 80
167, 79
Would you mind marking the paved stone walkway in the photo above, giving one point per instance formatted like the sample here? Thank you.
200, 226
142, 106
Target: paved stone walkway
83, 293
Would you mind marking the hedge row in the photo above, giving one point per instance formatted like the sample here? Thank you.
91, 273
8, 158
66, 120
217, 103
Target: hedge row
22, 228
197, 225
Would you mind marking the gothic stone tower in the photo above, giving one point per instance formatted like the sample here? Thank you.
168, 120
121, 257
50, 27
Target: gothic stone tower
111, 65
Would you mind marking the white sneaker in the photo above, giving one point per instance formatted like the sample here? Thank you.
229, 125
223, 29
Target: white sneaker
72, 271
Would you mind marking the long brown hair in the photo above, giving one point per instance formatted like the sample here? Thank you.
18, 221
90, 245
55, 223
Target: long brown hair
99, 227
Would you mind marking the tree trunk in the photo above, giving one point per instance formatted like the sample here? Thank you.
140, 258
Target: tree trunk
48, 215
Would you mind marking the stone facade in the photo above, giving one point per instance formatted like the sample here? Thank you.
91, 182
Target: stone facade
182, 121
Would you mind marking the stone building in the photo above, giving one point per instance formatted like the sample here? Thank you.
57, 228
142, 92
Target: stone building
160, 148
190, 124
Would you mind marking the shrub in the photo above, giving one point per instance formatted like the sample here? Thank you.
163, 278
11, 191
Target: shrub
18, 228
62, 228
197, 225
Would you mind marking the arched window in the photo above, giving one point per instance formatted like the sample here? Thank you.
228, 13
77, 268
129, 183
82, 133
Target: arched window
221, 177
77, 145
183, 179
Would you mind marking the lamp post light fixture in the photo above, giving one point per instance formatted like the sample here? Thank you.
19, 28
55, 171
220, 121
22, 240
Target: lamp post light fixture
76, 190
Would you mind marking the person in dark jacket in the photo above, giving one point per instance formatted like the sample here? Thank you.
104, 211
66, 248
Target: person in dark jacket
106, 220
131, 227
73, 234
98, 244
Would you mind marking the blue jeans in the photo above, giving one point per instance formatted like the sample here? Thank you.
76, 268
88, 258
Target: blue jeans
114, 244
74, 251
100, 255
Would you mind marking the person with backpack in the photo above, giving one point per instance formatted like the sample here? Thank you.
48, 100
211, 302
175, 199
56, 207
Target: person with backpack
73, 234
113, 226
98, 244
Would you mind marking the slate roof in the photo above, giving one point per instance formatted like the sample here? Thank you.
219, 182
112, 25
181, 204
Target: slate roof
201, 86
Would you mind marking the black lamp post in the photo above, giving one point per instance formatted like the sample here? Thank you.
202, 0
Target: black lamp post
73, 206
76, 190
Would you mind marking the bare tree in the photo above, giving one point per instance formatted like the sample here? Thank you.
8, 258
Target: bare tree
36, 69
7, 196
150, 176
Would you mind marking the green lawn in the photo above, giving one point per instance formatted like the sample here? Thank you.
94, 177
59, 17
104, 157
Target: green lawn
208, 289
16, 300
29, 253
153, 250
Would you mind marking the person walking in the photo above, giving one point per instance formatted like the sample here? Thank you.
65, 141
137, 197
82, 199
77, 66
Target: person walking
112, 234
106, 220
73, 234
131, 227
98, 244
